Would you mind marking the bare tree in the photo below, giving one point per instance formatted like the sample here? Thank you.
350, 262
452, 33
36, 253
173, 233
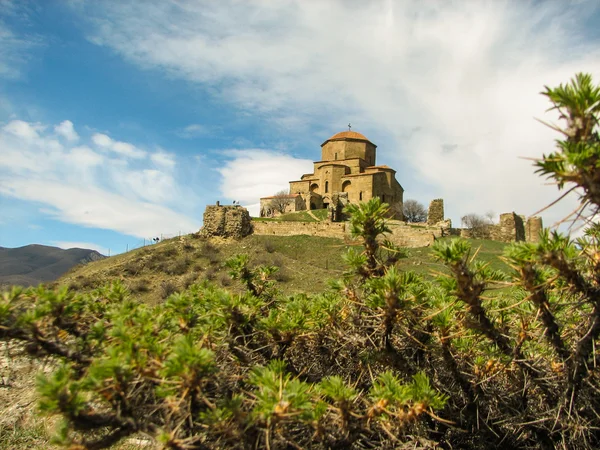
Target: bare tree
477, 224
414, 211
280, 201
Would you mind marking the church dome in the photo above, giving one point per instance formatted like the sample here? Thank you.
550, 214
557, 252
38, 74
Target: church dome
350, 135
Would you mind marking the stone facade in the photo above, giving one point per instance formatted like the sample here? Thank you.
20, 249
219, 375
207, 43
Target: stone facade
436, 211
232, 221
347, 166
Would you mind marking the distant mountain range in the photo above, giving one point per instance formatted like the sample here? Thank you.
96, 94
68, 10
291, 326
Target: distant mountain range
34, 264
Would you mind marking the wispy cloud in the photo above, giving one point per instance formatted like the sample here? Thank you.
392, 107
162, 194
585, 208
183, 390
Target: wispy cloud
465, 74
106, 143
80, 185
196, 130
15, 49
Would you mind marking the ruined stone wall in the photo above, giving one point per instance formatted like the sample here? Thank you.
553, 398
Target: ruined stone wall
533, 227
436, 211
510, 229
232, 221
323, 229
415, 235
402, 234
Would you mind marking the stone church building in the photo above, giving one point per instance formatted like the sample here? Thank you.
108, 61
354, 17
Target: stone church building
346, 173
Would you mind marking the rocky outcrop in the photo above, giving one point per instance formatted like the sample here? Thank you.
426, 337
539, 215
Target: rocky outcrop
231, 221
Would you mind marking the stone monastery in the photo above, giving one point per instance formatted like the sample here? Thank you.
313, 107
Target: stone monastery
347, 173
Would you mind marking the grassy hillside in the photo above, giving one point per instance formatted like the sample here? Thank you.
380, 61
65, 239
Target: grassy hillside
305, 263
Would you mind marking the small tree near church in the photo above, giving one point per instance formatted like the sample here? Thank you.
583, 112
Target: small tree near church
280, 202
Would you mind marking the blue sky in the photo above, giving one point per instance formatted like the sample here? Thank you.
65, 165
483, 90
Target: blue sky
120, 121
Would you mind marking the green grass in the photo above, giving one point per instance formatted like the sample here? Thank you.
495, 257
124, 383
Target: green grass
321, 213
32, 436
297, 216
422, 261
306, 263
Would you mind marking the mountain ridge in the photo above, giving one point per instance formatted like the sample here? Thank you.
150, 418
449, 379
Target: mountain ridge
33, 264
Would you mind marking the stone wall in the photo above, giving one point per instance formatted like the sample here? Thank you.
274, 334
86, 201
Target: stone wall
415, 235
510, 229
533, 227
232, 221
436, 211
323, 229
402, 234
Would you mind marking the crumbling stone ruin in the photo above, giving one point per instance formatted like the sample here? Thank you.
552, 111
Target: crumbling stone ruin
533, 227
231, 221
436, 211
510, 228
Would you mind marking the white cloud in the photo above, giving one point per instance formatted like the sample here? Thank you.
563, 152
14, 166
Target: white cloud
76, 184
85, 245
123, 148
254, 173
102, 140
66, 130
467, 74
85, 157
24, 130
163, 159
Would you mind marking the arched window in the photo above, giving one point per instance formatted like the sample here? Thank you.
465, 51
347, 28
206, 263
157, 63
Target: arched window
346, 186
336, 156
314, 187
326, 186
360, 196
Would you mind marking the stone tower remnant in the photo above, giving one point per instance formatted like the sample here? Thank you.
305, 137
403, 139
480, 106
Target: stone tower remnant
533, 227
436, 211
226, 221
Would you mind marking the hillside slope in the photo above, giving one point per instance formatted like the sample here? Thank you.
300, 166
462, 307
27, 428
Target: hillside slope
305, 263
34, 264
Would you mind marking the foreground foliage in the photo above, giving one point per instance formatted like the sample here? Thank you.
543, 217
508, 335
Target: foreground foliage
476, 358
